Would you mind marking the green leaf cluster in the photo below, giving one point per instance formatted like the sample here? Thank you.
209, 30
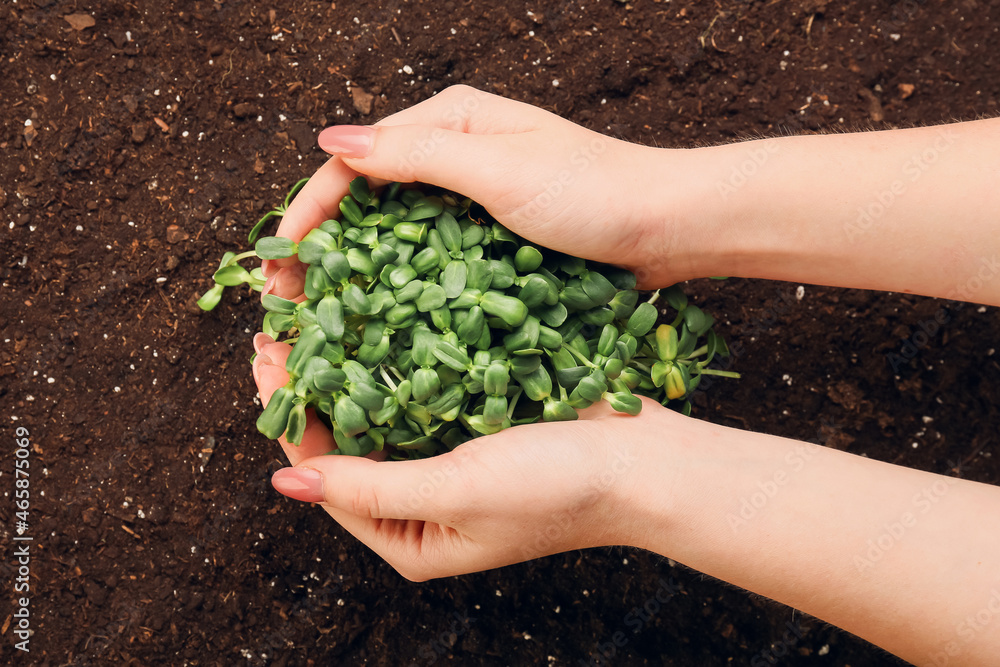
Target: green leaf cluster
426, 323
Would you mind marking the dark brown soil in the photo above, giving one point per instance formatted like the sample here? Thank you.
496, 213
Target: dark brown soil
159, 134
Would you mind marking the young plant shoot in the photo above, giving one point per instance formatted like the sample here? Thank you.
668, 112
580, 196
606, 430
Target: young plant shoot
426, 323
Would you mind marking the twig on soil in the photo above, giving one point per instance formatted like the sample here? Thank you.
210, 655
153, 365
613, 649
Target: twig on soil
228, 71
702, 36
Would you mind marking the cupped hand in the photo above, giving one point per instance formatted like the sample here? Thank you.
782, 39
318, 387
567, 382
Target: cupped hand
555, 183
523, 493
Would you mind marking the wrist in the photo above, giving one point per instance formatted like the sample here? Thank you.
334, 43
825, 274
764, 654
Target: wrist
644, 475
689, 205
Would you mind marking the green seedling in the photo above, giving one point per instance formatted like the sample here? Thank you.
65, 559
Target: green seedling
425, 325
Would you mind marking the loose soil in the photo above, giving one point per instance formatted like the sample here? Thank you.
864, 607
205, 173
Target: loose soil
142, 139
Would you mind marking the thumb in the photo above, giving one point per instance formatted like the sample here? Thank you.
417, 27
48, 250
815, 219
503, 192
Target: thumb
373, 490
473, 164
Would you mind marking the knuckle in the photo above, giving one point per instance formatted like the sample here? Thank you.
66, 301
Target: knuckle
365, 503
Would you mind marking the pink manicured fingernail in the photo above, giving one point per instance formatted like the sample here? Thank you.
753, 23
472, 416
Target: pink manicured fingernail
261, 339
347, 140
303, 484
269, 267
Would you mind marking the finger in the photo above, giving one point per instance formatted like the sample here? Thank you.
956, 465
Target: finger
598, 410
603, 410
466, 109
429, 154
277, 354
318, 200
260, 339
370, 490
317, 441
269, 373
287, 282
269, 370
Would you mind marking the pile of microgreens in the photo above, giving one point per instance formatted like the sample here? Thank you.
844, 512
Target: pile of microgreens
426, 323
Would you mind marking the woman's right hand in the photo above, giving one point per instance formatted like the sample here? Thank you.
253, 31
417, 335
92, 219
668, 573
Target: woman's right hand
551, 181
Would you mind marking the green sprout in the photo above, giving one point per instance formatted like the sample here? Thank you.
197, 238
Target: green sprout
425, 325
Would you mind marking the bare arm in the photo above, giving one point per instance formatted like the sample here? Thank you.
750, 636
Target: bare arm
906, 559
914, 210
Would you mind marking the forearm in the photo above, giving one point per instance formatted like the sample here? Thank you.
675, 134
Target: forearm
914, 210
900, 557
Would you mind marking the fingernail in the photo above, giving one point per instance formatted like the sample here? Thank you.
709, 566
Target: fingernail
261, 339
303, 484
268, 286
347, 140
259, 361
